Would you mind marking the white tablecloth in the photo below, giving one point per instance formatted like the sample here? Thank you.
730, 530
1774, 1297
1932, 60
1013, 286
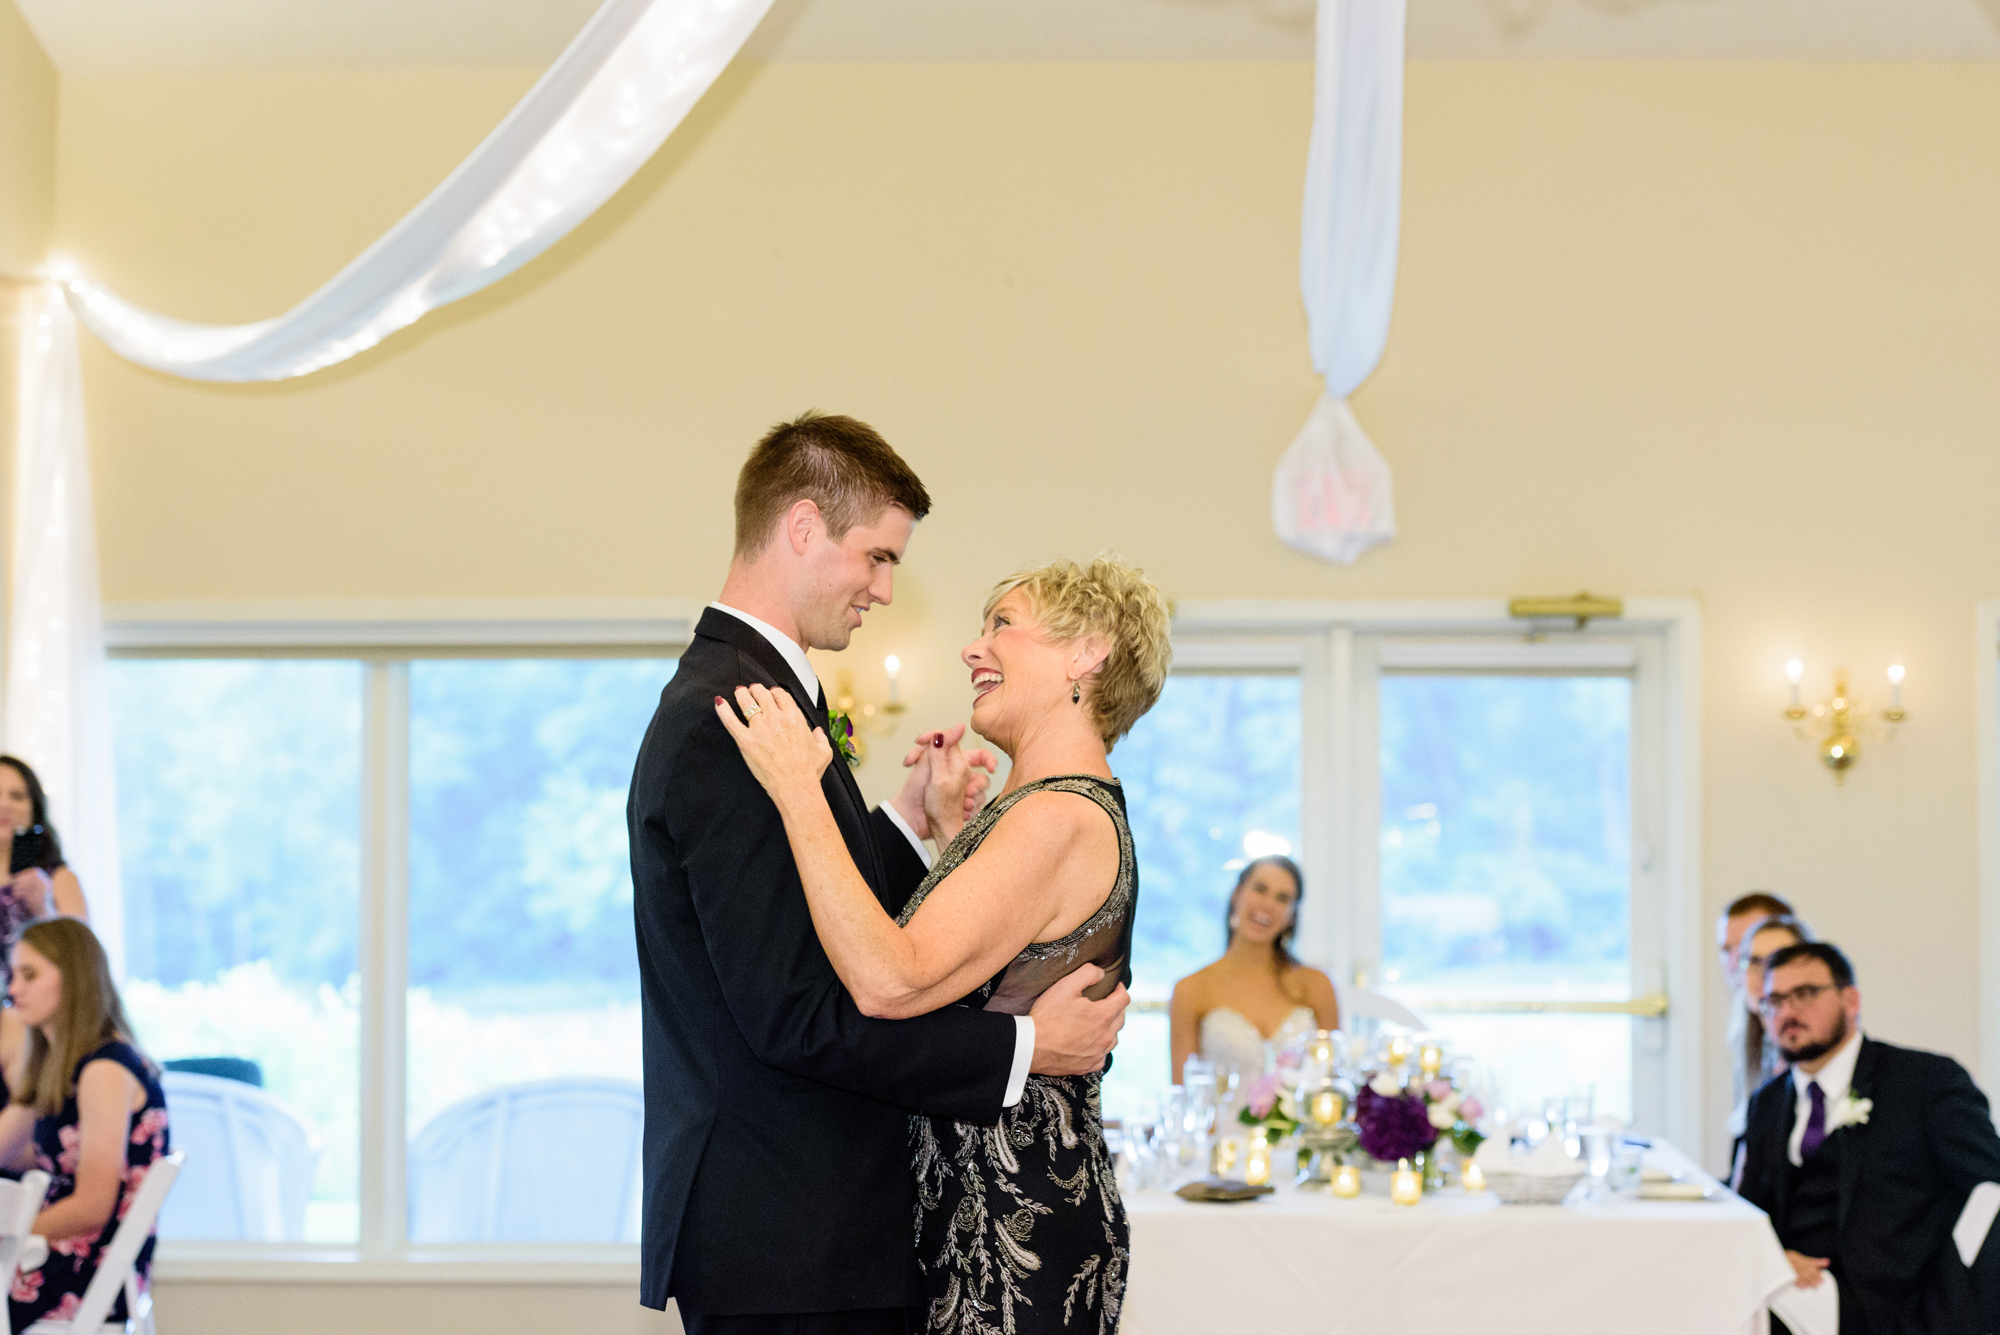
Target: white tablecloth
1301, 1263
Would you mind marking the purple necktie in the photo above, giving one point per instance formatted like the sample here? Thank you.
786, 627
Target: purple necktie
1815, 1121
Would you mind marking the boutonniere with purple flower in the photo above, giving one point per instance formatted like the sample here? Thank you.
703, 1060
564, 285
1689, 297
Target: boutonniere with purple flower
840, 731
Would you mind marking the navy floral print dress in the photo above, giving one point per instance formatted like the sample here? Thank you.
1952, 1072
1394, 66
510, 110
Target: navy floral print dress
57, 1288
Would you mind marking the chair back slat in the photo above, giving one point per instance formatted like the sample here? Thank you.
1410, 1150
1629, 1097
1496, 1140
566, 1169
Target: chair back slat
133, 1230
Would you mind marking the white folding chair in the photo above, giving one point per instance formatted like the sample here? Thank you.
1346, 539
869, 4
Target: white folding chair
114, 1270
20, 1202
254, 1160
545, 1161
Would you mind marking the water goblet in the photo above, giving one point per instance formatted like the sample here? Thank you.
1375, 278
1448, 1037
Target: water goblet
1597, 1142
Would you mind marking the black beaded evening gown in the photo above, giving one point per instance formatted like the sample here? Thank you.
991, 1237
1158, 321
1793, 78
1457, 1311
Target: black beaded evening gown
1019, 1226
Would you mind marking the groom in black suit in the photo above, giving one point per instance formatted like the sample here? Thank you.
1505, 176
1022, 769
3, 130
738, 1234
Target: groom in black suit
1863, 1155
778, 1188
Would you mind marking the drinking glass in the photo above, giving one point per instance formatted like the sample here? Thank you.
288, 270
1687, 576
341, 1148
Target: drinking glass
1627, 1168
1598, 1142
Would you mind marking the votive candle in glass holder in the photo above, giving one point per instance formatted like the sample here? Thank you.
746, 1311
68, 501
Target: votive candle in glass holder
1222, 1158
1347, 1181
1431, 1059
1471, 1178
1327, 1107
1399, 1050
1257, 1160
1406, 1185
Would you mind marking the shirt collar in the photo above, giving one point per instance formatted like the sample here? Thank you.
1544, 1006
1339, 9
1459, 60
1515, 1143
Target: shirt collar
1836, 1076
795, 657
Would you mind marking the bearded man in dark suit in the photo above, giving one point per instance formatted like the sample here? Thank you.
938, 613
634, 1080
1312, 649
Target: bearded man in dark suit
779, 1195
1863, 1155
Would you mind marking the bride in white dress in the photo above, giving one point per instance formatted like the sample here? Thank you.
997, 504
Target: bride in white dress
1256, 1000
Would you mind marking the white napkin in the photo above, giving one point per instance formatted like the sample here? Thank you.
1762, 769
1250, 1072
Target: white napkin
1550, 1159
1496, 1155
1814, 1311
34, 1252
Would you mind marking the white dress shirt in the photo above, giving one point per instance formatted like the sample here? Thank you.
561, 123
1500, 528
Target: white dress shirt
1834, 1080
795, 658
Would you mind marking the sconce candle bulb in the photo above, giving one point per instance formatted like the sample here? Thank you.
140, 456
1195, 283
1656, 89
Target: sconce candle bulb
895, 669
1795, 670
1894, 713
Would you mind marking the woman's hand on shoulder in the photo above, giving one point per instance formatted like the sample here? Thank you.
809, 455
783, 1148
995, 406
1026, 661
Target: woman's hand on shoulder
782, 752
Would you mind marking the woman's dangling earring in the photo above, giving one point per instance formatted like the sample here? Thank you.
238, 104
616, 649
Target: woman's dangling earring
1076, 692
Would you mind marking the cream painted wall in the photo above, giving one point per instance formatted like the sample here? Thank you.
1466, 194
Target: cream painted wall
1721, 330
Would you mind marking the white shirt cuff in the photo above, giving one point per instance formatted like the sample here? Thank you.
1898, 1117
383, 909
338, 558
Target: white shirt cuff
896, 819
1024, 1057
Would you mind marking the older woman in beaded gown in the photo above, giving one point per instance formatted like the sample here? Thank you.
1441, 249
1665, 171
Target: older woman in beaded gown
1019, 1226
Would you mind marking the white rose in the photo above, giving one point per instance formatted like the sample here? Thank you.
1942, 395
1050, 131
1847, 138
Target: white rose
1442, 1117
1385, 1085
1450, 1101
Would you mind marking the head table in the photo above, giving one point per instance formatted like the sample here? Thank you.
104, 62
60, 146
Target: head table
1306, 1262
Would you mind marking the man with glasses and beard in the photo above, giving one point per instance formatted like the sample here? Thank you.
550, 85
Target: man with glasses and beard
1863, 1154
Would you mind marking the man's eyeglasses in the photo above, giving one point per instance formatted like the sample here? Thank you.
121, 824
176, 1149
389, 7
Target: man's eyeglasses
1803, 995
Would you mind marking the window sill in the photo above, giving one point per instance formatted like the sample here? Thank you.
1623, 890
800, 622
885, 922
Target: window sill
607, 1266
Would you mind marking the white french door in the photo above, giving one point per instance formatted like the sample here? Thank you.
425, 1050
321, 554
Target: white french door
1508, 817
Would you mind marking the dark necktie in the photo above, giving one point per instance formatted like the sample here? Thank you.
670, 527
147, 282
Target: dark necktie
1815, 1121
819, 699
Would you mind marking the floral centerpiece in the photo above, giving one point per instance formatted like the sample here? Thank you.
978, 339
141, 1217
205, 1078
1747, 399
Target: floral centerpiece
1396, 1121
1269, 1106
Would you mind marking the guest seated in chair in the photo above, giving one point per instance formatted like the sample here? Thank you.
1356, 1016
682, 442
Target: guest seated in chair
1863, 1155
1753, 1058
39, 884
88, 1111
1256, 994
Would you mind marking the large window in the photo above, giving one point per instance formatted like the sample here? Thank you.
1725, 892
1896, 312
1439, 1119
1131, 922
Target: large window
1506, 848
402, 881
239, 787
397, 881
1211, 779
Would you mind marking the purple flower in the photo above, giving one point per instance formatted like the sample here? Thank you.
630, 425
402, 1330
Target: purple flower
1393, 1128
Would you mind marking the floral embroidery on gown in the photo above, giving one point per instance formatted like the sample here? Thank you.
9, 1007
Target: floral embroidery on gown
1019, 1226
55, 1290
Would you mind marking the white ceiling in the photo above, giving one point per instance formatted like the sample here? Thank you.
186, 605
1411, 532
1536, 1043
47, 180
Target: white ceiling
85, 36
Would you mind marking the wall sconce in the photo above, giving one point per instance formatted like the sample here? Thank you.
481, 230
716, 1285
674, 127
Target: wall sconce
879, 719
1838, 721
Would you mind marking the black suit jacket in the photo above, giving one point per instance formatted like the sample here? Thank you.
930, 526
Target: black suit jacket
777, 1160
1904, 1178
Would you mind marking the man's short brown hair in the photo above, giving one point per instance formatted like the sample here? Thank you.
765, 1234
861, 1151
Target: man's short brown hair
839, 464
1759, 902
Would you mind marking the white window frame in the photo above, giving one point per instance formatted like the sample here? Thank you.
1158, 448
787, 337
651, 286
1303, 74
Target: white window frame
384, 638
1319, 639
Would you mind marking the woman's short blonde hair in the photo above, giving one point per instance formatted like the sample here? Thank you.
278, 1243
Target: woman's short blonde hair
1115, 602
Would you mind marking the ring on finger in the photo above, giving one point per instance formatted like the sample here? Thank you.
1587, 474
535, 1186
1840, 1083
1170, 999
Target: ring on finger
752, 710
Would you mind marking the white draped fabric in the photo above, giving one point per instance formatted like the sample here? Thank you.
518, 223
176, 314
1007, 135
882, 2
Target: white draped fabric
1331, 497
587, 125
57, 710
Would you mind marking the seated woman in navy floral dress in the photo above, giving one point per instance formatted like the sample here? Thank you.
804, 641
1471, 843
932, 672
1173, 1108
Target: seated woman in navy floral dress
88, 1111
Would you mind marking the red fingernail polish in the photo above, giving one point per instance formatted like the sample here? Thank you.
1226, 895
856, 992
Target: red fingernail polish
937, 741
718, 699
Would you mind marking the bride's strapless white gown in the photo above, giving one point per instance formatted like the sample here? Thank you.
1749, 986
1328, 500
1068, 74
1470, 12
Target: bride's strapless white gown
1234, 1044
